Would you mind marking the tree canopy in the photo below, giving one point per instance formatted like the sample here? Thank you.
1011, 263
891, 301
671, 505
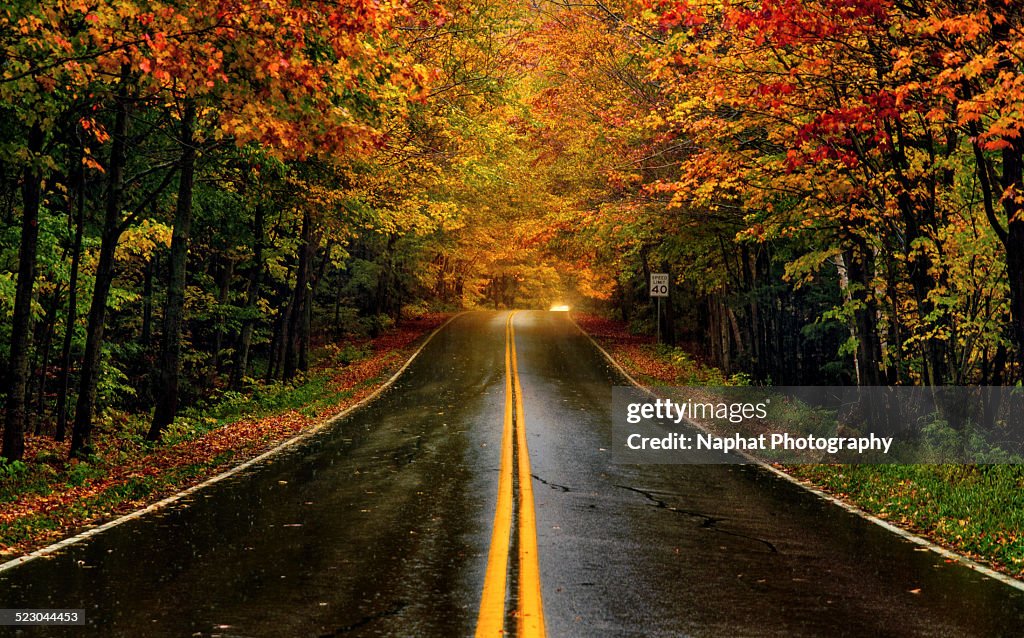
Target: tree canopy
194, 195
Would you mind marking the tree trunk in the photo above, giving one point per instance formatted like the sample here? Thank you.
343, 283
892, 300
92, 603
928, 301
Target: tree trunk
275, 364
72, 316
868, 356
1013, 188
147, 301
255, 281
296, 315
1013, 181
170, 355
668, 318
21, 322
725, 346
1015, 275
227, 273
305, 332
81, 431
43, 362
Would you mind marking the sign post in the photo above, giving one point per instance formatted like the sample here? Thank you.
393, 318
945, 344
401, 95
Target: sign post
659, 289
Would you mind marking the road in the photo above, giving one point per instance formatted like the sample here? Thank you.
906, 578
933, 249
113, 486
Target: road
396, 521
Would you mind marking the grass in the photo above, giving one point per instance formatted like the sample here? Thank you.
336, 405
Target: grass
977, 510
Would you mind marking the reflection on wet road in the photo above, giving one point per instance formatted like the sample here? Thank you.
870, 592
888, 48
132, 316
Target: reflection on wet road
382, 525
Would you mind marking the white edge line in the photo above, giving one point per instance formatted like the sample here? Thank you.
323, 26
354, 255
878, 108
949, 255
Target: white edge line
89, 533
853, 509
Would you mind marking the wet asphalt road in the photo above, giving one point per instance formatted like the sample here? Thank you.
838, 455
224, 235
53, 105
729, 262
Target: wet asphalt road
380, 526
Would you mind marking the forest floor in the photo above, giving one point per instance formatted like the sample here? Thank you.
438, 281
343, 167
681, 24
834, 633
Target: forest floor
48, 497
976, 511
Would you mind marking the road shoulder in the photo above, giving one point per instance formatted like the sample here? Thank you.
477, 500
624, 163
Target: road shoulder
73, 501
634, 358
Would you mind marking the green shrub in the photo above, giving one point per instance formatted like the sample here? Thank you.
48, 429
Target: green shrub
12, 469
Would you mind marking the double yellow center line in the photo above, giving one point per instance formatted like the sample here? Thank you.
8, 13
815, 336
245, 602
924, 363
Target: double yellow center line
515, 479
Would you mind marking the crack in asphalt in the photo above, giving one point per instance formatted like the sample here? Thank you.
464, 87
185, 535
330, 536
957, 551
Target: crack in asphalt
554, 486
709, 522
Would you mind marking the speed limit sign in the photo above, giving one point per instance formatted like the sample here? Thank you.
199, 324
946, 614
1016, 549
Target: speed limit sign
659, 284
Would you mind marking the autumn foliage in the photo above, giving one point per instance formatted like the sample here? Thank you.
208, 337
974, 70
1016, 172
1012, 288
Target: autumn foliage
196, 193
834, 185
